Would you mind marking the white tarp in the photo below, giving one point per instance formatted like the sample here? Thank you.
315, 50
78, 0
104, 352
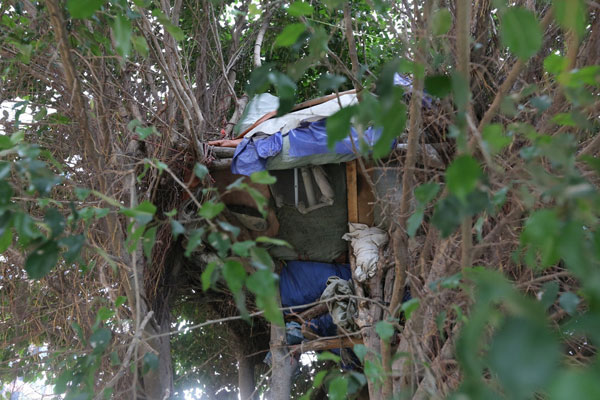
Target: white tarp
315, 113
260, 105
365, 242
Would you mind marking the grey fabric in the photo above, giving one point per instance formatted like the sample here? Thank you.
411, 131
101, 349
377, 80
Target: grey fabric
343, 310
317, 235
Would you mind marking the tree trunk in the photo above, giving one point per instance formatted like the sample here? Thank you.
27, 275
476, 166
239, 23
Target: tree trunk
282, 363
245, 377
158, 383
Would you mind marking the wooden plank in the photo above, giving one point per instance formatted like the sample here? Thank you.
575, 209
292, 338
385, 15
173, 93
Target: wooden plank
351, 188
365, 198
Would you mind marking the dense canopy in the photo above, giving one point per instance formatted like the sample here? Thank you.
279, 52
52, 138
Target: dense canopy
124, 272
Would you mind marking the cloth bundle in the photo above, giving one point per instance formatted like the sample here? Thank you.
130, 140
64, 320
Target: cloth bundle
365, 242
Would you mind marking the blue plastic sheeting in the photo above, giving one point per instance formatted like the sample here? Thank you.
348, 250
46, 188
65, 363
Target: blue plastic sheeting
310, 139
251, 155
406, 83
323, 325
303, 282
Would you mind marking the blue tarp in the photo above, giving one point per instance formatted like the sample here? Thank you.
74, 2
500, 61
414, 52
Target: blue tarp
303, 282
309, 139
251, 155
306, 140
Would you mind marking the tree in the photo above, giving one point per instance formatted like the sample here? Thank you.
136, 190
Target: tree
118, 258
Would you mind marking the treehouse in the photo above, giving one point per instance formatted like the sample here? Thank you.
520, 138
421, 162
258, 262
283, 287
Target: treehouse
333, 209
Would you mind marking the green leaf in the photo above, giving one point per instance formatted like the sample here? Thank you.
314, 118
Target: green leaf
82, 193
209, 210
259, 199
4, 169
276, 242
319, 379
575, 384
393, 120
541, 232
122, 34
542, 103
361, 351
571, 15
41, 260
290, 34
140, 45
145, 132
55, 221
441, 22
300, 8
148, 241
462, 176
329, 82
438, 85
142, 213
5, 142
242, 249
84, 8
338, 125
494, 138
549, 293
200, 170
385, 330
409, 306
194, 241
150, 362
263, 177
6, 238
100, 339
426, 192
176, 228
220, 242
114, 358
374, 371
555, 64
6, 192
286, 91
520, 31
119, 301
207, 276
338, 388
263, 283
328, 356
234, 274
448, 215
104, 314
460, 91
74, 244
569, 302
414, 222
261, 259
226, 226
525, 356
174, 30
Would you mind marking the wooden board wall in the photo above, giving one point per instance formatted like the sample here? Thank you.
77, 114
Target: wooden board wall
360, 195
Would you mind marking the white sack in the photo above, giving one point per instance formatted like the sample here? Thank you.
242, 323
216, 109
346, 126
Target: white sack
365, 242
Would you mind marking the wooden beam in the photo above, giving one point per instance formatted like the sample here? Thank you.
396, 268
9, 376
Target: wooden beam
327, 344
309, 314
351, 188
